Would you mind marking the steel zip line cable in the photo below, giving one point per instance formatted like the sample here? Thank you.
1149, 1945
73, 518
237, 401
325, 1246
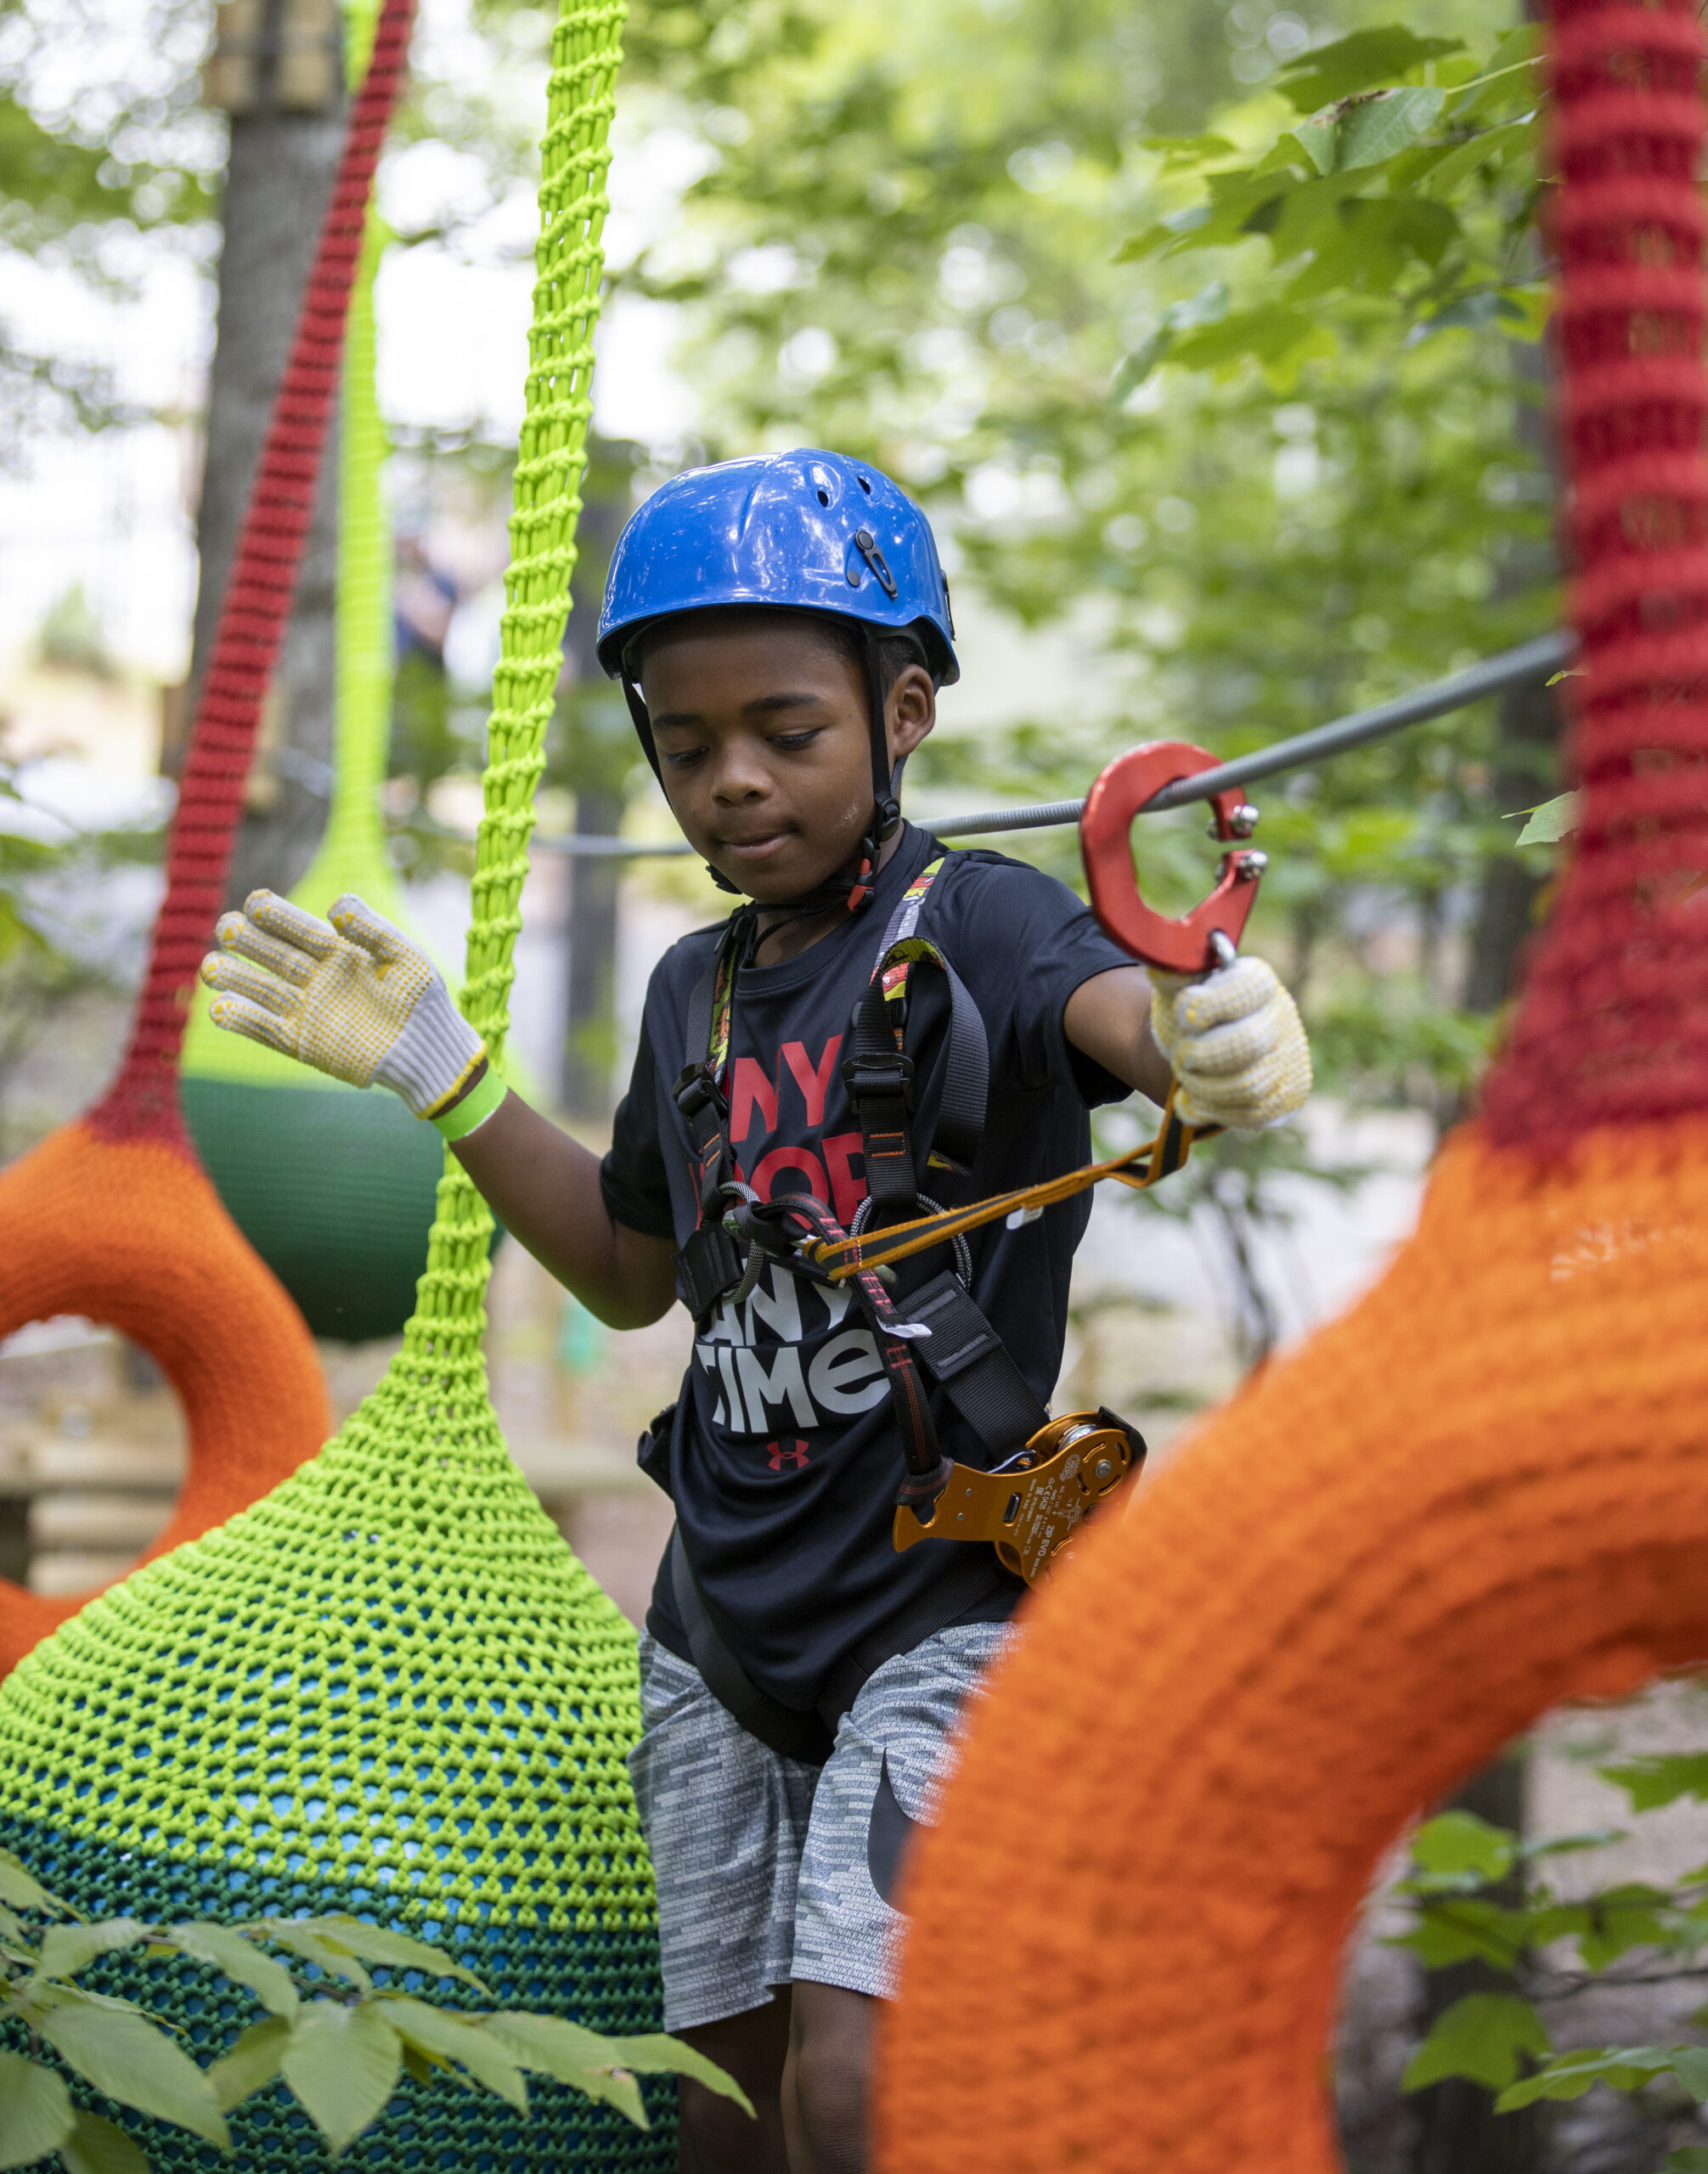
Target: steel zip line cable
1532, 660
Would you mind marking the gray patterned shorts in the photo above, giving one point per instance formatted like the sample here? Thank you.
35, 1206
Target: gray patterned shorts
764, 1866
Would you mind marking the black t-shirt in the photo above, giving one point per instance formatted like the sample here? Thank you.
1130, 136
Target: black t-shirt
783, 1459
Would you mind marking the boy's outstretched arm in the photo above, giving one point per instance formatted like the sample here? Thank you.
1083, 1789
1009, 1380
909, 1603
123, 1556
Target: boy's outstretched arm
1233, 1042
356, 998
544, 1187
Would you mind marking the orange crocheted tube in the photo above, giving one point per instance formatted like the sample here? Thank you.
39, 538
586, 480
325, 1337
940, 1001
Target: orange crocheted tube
131, 1232
1483, 1491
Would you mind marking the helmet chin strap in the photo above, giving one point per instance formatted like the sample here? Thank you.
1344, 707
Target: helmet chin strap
851, 892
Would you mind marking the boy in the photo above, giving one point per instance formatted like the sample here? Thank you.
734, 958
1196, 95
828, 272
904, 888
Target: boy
781, 627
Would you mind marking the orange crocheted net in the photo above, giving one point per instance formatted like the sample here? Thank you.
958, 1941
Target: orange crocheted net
132, 1233
112, 1216
1483, 1491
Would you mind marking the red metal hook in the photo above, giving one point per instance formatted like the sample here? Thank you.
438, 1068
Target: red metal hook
1186, 946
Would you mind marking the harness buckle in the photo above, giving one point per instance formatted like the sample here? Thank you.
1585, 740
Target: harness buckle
696, 1090
878, 1072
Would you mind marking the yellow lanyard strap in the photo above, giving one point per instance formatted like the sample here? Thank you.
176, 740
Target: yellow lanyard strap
1159, 1157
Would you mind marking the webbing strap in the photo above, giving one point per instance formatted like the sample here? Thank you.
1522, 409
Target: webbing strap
1139, 1167
969, 1360
879, 1075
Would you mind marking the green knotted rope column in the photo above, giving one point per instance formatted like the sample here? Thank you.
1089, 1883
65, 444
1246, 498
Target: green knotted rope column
389, 1687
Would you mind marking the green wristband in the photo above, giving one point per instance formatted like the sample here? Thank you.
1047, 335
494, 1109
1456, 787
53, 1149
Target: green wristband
467, 1115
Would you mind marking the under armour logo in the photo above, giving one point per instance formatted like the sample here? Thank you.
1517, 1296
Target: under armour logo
778, 1453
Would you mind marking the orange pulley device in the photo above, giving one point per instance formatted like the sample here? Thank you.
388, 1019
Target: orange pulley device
1032, 1506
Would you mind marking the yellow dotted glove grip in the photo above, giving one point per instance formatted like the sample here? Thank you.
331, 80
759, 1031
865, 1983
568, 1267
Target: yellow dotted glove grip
351, 996
1235, 1043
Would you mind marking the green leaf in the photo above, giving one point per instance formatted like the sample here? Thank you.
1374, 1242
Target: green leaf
1663, 1777
1457, 166
1460, 1842
1621, 2068
1188, 150
99, 2147
1546, 827
1375, 128
457, 2038
226, 1949
125, 2056
1279, 337
570, 2052
68, 1949
35, 2115
1484, 2036
1320, 141
1209, 303
343, 2063
1380, 55
251, 2064
397, 1951
1620, 1919
1690, 2066
23, 1892
1456, 1928
299, 1936
1691, 2159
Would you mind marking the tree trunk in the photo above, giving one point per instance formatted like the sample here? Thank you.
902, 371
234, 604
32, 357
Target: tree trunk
1528, 734
277, 182
1458, 2131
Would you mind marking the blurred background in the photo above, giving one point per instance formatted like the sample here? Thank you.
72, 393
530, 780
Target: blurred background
1206, 460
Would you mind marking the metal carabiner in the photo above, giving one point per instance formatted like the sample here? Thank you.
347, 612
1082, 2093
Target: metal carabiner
1208, 936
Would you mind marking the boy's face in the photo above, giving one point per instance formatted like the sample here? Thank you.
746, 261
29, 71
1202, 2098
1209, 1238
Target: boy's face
760, 723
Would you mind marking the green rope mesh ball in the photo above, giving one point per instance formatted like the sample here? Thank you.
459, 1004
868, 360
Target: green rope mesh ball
388, 1687
334, 1189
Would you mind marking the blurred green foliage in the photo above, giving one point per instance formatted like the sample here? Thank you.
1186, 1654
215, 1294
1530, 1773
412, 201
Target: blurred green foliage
1236, 406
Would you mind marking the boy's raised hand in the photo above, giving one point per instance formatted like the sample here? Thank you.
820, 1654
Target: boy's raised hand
1235, 1043
351, 995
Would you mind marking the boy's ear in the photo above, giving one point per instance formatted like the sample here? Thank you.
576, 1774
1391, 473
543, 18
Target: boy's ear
911, 711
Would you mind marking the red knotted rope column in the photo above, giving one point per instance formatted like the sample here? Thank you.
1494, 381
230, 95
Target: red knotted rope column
143, 1100
1613, 1028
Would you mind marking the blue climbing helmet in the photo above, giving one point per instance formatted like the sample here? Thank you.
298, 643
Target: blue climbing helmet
807, 530
804, 531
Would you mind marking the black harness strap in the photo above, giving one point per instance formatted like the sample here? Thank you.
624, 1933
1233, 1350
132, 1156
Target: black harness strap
973, 1367
710, 1263
879, 1075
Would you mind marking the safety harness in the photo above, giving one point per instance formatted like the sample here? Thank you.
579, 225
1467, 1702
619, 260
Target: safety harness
1046, 1475
945, 1336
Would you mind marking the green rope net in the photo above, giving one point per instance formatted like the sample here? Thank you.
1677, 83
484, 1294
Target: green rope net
333, 1187
389, 1687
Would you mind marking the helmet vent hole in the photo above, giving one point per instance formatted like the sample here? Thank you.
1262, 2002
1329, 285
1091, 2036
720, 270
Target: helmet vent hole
824, 497
866, 485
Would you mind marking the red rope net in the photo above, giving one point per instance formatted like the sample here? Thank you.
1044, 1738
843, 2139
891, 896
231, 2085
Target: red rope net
142, 1101
1613, 1026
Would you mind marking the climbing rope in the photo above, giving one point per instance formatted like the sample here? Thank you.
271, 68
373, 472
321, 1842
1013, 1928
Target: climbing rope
1481, 1492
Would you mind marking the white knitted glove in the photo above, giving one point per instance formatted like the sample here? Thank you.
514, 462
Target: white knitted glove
1235, 1043
353, 997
